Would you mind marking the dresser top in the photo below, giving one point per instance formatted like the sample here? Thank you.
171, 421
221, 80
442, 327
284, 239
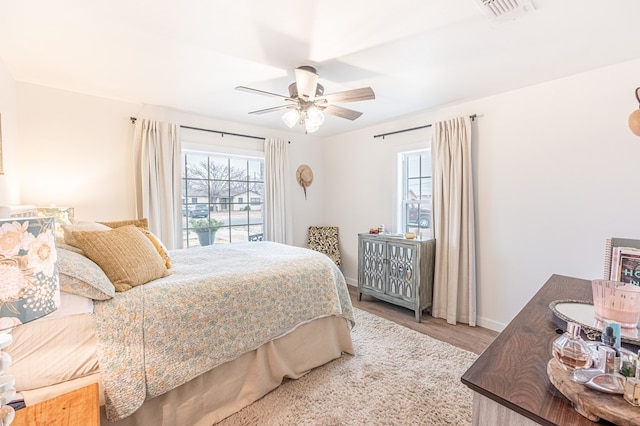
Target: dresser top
513, 370
394, 237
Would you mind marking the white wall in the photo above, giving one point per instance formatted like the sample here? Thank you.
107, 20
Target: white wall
9, 190
77, 150
556, 171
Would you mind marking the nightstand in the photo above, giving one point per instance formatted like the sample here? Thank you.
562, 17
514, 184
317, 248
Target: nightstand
77, 408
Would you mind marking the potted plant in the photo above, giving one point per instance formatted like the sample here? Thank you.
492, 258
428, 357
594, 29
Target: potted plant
205, 229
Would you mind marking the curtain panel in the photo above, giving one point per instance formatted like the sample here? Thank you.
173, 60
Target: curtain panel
454, 292
277, 215
158, 179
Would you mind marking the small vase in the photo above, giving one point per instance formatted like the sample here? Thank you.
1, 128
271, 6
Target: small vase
570, 350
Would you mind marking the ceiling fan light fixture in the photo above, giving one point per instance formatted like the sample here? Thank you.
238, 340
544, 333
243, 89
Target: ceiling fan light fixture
291, 117
306, 82
315, 116
307, 103
310, 127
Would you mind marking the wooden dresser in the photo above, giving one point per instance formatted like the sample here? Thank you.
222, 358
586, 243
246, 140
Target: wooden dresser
509, 379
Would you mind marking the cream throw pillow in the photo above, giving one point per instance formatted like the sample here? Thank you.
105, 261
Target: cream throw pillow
125, 254
69, 228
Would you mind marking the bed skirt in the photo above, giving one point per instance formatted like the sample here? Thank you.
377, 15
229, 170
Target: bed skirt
227, 389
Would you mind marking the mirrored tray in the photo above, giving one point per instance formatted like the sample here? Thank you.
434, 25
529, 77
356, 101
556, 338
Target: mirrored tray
581, 312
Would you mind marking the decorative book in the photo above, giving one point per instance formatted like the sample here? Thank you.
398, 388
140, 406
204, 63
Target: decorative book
622, 260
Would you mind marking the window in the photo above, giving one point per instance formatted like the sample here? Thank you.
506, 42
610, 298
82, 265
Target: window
215, 187
416, 192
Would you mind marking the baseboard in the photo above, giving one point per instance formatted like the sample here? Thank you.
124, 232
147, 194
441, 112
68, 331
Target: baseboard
481, 322
490, 324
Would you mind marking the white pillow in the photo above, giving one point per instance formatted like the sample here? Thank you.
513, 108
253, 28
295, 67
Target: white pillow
80, 226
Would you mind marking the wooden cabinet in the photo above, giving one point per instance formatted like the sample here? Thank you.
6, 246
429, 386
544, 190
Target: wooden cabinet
77, 408
397, 270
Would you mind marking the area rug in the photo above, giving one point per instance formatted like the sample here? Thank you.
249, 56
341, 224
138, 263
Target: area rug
397, 377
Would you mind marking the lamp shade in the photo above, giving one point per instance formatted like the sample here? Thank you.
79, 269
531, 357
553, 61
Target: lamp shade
29, 286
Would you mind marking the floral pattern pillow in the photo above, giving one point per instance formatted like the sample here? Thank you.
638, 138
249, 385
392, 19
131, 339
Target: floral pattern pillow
80, 275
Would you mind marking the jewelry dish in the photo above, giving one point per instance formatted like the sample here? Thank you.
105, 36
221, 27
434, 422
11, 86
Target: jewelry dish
582, 313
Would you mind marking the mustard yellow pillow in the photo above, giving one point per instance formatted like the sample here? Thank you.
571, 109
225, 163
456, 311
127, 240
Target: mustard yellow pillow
125, 254
160, 247
140, 223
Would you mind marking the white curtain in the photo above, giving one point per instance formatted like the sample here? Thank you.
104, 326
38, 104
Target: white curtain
454, 292
157, 156
277, 215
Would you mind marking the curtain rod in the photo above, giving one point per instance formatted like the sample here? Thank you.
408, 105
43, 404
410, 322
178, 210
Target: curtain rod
133, 120
382, 135
222, 133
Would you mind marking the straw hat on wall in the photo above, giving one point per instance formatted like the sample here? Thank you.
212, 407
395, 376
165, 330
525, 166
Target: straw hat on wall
304, 176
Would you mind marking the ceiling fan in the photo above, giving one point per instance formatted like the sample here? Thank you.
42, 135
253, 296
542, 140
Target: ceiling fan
307, 102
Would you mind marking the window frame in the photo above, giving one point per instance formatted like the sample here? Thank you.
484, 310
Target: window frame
419, 226
227, 201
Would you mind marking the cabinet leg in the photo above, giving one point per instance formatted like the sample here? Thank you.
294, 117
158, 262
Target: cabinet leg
359, 297
418, 315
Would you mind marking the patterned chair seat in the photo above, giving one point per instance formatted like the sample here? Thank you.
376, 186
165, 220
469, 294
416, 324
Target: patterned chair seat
325, 240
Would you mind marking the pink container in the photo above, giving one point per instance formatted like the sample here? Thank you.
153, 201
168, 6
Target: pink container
616, 301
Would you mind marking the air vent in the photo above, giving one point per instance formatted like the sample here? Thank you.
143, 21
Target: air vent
504, 10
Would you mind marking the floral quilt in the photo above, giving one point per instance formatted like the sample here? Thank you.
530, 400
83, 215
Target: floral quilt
219, 302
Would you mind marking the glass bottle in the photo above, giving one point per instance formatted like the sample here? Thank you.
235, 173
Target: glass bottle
570, 350
613, 363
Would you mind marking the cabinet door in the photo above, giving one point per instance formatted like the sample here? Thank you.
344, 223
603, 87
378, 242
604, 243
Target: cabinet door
372, 257
402, 259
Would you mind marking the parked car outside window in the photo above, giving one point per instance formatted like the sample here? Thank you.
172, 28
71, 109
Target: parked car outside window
200, 210
420, 215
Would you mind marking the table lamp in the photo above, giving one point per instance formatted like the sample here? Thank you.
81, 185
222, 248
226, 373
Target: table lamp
29, 287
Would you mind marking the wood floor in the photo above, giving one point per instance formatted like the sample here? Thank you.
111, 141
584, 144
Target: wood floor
473, 339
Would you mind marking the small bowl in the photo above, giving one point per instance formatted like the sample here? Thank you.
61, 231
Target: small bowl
409, 236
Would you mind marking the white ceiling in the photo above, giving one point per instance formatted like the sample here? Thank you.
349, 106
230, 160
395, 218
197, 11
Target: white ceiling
415, 54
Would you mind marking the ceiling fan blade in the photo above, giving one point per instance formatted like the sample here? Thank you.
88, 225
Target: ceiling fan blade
341, 112
261, 92
353, 95
306, 82
278, 108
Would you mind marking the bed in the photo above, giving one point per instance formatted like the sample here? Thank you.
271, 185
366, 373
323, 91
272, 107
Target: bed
218, 331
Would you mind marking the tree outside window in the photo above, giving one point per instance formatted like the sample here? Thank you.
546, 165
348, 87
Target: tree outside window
219, 185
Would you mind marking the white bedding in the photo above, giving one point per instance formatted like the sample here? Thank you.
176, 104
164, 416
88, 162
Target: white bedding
56, 348
53, 351
70, 304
